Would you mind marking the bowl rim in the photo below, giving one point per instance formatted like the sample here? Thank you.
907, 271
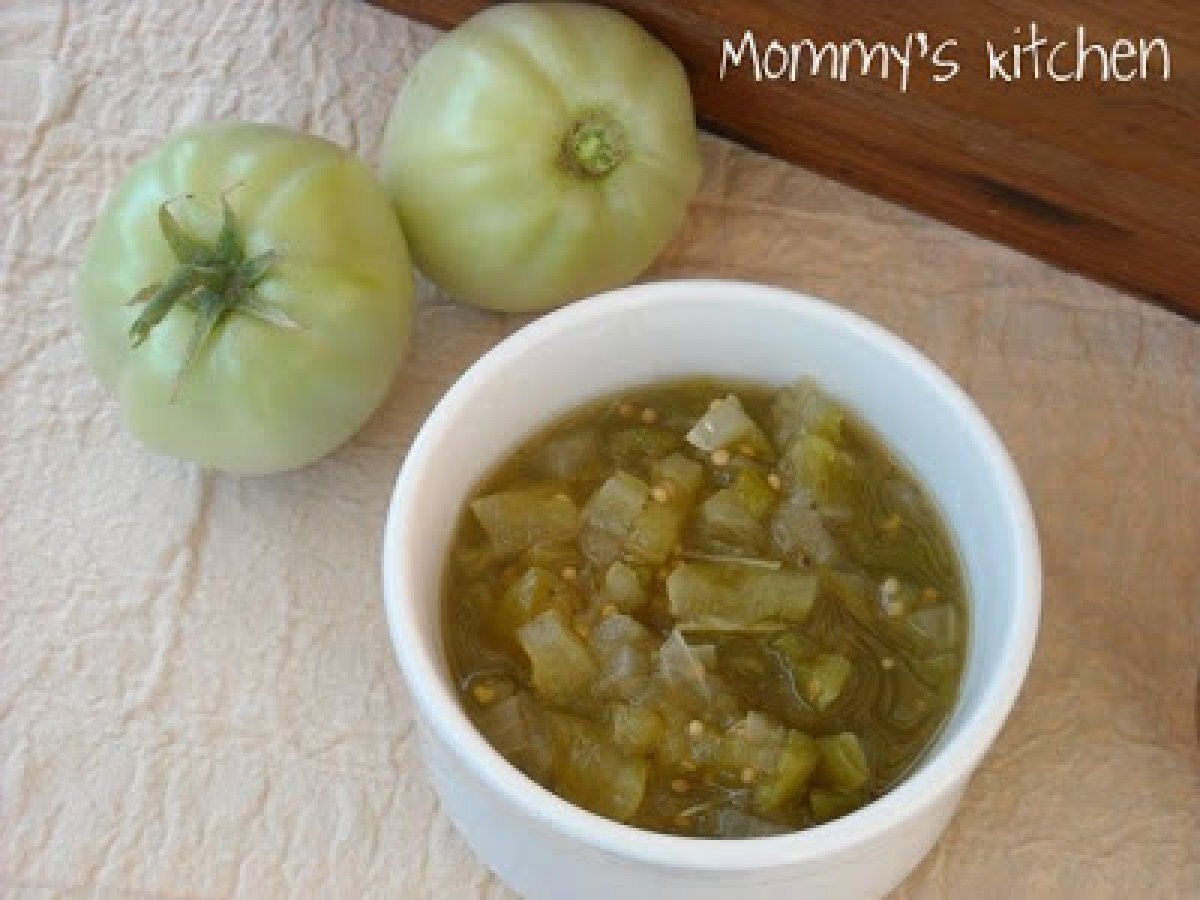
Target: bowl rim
941, 773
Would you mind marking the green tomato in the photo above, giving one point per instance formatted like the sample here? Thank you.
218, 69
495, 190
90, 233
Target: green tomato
246, 293
541, 152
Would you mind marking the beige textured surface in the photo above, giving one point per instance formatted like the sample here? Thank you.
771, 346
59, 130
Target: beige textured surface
197, 694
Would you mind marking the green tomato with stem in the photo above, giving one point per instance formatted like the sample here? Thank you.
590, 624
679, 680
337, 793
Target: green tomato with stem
541, 152
246, 294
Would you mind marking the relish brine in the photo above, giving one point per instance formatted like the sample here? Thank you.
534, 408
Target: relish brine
708, 610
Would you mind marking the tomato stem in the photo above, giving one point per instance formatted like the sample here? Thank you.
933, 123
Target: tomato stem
213, 279
595, 145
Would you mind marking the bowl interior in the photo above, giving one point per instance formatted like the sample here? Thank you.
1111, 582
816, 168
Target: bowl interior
741, 332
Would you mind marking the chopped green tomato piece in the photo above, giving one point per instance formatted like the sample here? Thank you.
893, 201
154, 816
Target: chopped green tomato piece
753, 491
636, 729
725, 524
641, 444
818, 466
535, 592
818, 677
616, 503
824, 679
828, 805
554, 557
935, 627
813, 462
575, 456
610, 513
561, 666
593, 773
654, 533
700, 592
803, 409
843, 763
778, 595
515, 727
908, 702
517, 519
726, 425
685, 476
797, 761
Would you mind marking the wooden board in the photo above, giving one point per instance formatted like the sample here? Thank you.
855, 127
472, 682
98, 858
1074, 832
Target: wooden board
1102, 177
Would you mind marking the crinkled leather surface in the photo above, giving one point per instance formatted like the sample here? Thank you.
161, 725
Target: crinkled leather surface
197, 693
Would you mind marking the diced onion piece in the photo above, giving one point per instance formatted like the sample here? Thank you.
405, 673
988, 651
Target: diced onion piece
623, 587
797, 528
681, 667
622, 646
724, 425
752, 745
616, 631
623, 675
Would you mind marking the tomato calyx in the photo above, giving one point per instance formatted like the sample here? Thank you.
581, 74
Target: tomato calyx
213, 279
595, 145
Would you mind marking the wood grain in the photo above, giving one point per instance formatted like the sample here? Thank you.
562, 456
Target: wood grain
1099, 177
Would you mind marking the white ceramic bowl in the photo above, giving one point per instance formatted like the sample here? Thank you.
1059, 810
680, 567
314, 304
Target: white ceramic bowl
545, 847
